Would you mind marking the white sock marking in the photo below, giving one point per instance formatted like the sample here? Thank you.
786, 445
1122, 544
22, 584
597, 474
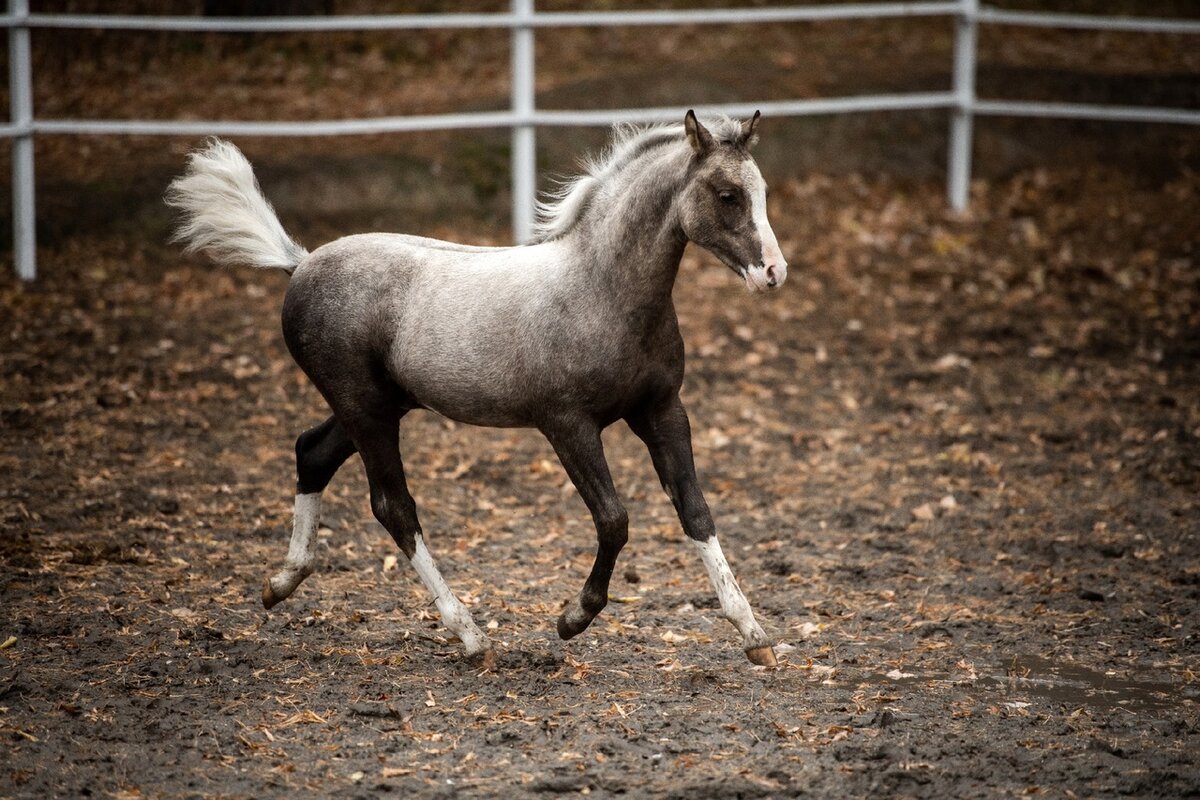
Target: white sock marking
454, 614
301, 555
303, 547
734, 606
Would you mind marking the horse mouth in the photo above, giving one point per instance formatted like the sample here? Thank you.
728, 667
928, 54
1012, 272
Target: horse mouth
757, 279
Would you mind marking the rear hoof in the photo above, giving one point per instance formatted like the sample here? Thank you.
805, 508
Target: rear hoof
762, 656
269, 599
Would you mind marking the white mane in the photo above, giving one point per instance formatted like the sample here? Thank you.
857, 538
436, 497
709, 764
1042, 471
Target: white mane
563, 207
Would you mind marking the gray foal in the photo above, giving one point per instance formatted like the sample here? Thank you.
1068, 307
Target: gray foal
567, 335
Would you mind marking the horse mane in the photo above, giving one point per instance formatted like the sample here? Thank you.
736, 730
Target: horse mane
565, 205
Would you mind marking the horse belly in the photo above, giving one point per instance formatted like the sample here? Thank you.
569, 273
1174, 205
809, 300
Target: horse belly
470, 402
506, 348
505, 383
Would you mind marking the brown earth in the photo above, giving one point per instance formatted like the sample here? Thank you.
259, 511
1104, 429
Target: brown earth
954, 462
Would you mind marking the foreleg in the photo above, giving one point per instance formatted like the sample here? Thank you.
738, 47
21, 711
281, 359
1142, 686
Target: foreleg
667, 435
578, 445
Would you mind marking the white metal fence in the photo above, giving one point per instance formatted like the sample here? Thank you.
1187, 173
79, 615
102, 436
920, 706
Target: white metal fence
523, 117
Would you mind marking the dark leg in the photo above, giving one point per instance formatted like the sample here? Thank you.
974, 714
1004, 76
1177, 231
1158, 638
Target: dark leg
378, 440
668, 436
319, 453
579, 448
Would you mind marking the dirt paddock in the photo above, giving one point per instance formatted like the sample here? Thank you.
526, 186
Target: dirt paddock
954, 462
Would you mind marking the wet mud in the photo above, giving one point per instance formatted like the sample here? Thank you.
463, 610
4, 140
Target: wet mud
954, 463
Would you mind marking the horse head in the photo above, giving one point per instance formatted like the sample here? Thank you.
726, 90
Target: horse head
724, 204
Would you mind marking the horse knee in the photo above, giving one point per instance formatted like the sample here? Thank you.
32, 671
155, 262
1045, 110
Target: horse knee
389, 513
612, 525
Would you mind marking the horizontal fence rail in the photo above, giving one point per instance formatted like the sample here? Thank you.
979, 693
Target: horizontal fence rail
515, 19
546, 118
1013, 108
1039, 19
523, 117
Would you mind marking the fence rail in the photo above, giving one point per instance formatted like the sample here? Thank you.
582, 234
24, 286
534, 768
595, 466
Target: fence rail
523, 117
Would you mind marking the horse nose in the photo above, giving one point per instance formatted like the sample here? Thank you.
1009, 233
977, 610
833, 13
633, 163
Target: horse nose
776, 274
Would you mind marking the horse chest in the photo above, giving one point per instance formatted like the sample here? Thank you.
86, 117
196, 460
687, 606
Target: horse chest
615, 366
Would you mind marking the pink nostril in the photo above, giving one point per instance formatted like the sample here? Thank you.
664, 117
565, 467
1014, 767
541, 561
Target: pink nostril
771, 281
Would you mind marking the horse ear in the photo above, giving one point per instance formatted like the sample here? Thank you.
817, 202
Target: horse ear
750, 130
697, 135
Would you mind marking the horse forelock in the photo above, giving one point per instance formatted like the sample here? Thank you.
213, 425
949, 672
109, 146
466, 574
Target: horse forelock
564, 206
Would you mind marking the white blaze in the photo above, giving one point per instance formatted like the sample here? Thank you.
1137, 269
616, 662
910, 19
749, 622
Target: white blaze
772, 261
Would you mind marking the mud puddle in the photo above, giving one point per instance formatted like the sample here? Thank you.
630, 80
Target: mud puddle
1060, 683
1075, 685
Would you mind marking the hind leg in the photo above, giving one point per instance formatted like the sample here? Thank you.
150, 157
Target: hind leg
319, 453
378, 440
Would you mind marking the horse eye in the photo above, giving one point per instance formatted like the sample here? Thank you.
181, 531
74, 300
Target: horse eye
727, 197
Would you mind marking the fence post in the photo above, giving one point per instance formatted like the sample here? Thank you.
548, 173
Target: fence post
20, 86
958, 178
524, 144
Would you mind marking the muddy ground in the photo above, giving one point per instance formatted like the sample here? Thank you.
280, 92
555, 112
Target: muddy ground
954, 462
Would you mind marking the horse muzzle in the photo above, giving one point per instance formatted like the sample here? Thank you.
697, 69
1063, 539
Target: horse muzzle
765, 277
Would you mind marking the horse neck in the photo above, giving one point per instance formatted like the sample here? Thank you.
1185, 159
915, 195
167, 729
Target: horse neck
630, 241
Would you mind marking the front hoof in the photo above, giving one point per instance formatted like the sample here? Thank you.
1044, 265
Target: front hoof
762, 656
269, 600
571, 624
485, 660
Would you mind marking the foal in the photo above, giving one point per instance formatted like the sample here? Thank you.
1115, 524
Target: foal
567, 335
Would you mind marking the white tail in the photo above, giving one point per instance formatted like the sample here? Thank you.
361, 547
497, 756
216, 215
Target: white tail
225, 214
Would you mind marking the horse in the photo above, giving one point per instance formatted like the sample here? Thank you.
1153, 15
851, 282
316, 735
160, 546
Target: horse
566, 334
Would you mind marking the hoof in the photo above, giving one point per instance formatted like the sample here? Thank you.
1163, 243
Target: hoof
486, 660
268, 595
762, 656
568, 628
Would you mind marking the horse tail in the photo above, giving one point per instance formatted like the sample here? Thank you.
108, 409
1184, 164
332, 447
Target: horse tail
224, 213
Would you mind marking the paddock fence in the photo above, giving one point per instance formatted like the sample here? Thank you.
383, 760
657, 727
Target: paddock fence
523, 117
